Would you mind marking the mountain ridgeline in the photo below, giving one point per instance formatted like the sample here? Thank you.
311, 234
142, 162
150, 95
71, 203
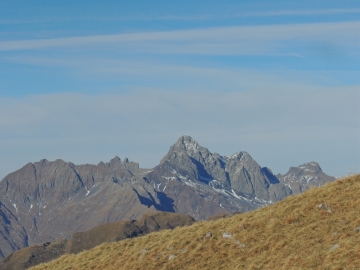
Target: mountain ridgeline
317, 229
44, 201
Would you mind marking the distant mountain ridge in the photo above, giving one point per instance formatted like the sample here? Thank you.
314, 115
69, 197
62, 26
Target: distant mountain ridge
46, 200
301, 178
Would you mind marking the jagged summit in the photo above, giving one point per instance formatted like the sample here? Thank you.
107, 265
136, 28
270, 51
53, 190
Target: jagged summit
186, 140
304, 177
188, 145
115, 162
239, 174
313, 166
307, 168
239, 155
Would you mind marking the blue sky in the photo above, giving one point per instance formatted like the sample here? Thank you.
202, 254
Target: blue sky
85, 81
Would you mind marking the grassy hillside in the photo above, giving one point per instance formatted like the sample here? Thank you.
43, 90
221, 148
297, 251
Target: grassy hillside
318, 229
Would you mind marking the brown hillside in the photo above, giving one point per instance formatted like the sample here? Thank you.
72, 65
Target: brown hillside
318, 229
34, 255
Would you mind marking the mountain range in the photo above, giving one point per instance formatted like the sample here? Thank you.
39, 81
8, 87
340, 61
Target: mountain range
317, 229
45, 201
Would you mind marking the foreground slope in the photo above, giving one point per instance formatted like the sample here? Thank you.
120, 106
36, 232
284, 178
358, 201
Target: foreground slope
318, 229
34, 255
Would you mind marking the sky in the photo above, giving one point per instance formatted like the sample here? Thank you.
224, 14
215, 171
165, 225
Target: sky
85, 81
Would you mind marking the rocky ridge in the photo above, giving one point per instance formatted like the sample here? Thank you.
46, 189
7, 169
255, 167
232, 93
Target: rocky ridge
302, 178
48, 200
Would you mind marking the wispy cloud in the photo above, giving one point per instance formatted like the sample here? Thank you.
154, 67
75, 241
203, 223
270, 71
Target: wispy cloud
303, 12
197, 17
177, 76
143, 124
220, 40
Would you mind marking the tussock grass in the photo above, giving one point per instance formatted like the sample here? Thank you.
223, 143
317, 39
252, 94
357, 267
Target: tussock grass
292, 234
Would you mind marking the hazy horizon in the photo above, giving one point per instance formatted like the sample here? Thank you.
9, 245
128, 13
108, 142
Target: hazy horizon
85, 82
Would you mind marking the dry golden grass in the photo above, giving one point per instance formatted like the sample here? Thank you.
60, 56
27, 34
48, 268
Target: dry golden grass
292, 234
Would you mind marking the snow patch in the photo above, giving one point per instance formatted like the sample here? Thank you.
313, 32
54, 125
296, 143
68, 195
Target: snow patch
171, 178
190, 183
191, 145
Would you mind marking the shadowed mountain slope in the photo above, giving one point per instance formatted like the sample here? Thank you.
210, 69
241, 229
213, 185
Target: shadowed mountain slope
81, 241
318, 229
203, 184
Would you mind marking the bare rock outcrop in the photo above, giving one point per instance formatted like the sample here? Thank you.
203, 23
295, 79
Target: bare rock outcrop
305, 176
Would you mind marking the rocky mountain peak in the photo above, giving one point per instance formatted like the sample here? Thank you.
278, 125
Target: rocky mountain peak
43, 162
238, 174
115, 162
240, 156
188, 144
185, 149
311, 166
304, 176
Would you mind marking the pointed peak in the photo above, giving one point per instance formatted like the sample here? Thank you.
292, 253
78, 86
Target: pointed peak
239, 155
187, 143
59, 161
101, 163
115, 162
116, 158
43, 161
186, 138
311, 165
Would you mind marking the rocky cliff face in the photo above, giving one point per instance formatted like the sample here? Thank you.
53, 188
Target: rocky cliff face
13, 236
46, 200
301, 178
204, 183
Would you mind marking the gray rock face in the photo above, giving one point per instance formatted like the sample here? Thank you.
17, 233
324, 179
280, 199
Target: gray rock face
48, 200
304, 177
238, 174
12, 234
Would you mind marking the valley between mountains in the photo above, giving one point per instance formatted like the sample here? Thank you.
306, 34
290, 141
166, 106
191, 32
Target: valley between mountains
45, 201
